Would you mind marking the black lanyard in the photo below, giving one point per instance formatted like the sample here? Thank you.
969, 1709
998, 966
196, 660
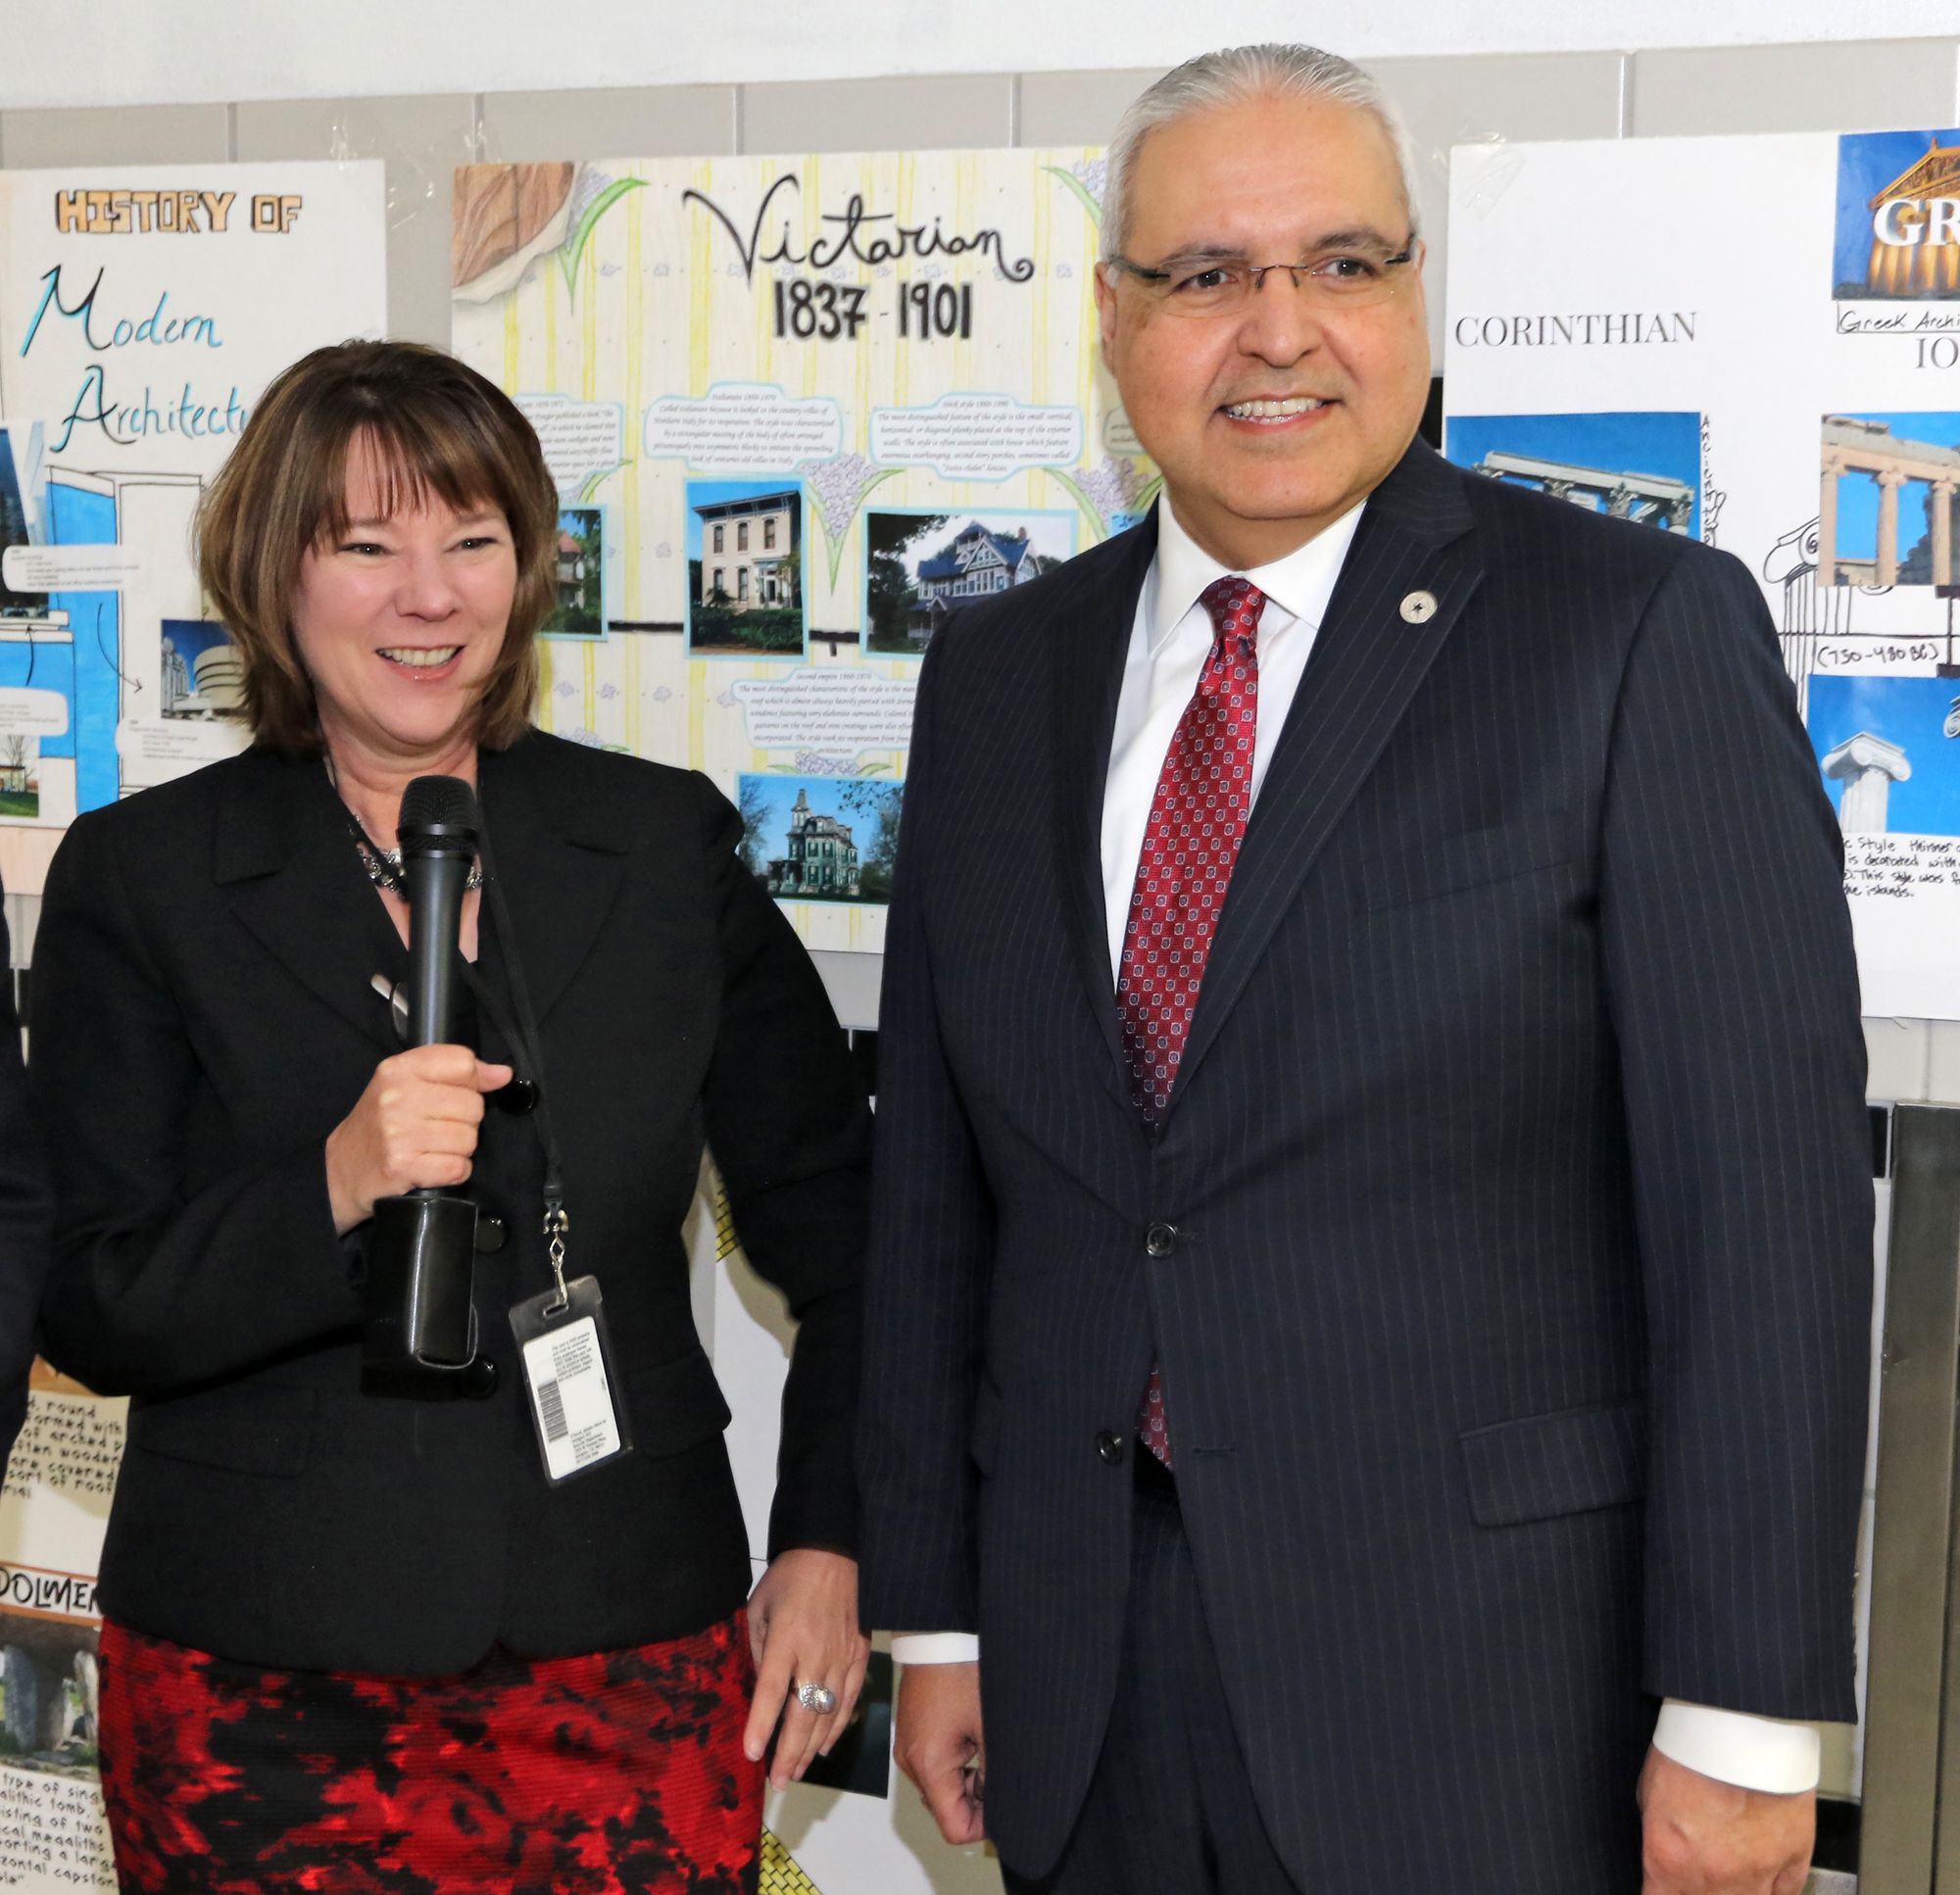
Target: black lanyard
523, 1037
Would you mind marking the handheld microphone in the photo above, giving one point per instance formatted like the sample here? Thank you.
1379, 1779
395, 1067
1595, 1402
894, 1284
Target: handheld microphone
437, 834
420, 1332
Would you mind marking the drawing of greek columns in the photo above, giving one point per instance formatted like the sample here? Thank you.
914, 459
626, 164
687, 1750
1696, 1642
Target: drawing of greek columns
1868, 766
1871, 450
1827, 520
1654, 500
1891, 480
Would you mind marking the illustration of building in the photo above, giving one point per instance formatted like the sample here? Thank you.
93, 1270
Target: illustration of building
1868, 766
1654, 500
1870, 448
823, 859
1915, 228
209, 683
571, 570
748, 551
975, 563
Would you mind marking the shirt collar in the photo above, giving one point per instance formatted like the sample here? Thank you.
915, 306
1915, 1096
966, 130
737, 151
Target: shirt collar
1300, 583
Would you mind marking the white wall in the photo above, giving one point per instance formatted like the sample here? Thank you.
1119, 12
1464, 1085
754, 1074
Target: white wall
147, 52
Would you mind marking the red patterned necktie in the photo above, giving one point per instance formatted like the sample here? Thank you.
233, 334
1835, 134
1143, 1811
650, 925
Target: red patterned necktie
1198, 821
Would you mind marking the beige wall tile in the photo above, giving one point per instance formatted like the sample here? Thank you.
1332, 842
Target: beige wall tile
1897, 1052
877, 115
1077, 108
1942, 1065
1849, 86
422, 140
852, 981
149, 134
626, 121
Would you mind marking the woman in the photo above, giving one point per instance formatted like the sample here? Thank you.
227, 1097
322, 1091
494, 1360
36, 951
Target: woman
357, 1640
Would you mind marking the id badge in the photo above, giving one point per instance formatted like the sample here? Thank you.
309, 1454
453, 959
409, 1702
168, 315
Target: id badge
568, 1364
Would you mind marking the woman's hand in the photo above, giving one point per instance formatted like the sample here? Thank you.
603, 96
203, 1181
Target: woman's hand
415, 1125
802, 1627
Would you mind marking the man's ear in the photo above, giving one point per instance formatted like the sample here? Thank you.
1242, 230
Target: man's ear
1105, 314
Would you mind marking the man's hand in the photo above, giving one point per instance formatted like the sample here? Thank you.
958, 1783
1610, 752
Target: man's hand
1705, 1838
940, 1747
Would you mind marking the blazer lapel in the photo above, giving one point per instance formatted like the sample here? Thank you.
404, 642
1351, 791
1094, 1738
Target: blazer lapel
1367, 661
558, 858
1089, 635
286, 863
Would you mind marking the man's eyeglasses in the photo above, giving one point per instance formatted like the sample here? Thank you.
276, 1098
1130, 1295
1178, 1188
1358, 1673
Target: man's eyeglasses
1351, 278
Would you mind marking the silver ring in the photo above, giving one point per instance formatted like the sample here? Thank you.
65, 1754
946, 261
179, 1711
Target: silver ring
820, 1698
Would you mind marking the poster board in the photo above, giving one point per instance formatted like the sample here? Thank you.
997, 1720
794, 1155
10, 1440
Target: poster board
799, 410
1784, 382
142, 310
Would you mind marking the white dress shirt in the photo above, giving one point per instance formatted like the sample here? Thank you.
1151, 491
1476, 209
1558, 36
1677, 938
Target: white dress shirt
1169, 642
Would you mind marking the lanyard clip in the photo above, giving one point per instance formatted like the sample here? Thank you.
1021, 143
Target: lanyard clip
557, 1223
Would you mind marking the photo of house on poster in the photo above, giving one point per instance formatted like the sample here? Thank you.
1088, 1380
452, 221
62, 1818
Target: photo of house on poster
745, 568
821, 838
142, 311
921, 567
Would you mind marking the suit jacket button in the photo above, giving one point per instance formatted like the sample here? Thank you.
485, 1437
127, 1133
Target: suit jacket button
1161, 1239
489, 1235
517, 1096
1109, 1444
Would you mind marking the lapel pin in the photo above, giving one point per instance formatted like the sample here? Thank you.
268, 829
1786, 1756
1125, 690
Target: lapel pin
1419, 607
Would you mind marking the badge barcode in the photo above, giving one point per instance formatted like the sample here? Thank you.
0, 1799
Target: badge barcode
551, 1405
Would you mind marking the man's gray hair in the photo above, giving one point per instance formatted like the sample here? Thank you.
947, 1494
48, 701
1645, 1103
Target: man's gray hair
1230, 77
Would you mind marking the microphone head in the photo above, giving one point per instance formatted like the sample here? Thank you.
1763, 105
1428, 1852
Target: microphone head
438, 815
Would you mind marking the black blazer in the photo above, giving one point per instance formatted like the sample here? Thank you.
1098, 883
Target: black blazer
23, 1218
1512, 1286
203, 1018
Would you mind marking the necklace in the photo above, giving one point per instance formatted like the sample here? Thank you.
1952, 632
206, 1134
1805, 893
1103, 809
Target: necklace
384, 866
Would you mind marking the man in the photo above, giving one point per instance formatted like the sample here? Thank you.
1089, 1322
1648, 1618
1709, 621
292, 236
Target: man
1456, 1174
23, 1215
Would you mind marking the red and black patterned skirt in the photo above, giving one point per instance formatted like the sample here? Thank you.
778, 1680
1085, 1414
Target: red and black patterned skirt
619, 1773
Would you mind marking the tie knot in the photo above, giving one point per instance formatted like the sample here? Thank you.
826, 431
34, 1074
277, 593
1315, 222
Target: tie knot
1235, 605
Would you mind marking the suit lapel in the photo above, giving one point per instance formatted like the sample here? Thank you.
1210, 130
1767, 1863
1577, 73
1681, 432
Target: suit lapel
1367, 664
558, 857
1088, 636
285, 862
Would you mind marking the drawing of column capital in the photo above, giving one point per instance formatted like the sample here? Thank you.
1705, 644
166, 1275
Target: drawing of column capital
1864, 752
1868, 766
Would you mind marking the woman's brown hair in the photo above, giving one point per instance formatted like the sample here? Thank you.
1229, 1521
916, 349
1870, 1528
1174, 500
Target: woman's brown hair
434, 427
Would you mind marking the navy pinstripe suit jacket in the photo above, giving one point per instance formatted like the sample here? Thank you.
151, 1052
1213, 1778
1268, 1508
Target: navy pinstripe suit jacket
1514, 1333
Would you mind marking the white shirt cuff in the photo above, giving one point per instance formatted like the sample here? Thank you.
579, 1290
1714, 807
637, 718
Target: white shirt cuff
1753, 1753
936, 1647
